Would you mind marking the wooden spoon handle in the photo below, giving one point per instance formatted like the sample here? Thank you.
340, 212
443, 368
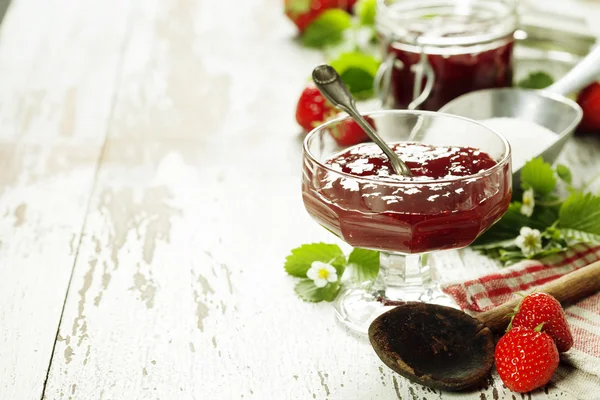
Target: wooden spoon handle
568, 288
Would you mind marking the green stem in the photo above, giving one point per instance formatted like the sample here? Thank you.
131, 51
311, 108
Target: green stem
549, 203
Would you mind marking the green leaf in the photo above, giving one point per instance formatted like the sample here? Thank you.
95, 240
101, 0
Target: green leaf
577, 236
363, 265
365, 10
297, 7
552, 247
545, 216
508, 257
538, 174
581, 212
508, 227
536, 80
327, 29
358, 71
301, 258
307, 291
564, 173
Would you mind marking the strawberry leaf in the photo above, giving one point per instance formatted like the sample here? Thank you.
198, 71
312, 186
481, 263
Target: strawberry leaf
538, 175
536, 80
301, 258
564, 173
297, 7
327, 29
581, 212
307, 291
363, 265
365, 11
358, 71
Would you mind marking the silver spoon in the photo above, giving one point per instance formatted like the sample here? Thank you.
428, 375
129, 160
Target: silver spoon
330, 84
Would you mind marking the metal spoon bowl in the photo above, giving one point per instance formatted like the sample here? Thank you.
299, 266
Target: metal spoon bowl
549, 108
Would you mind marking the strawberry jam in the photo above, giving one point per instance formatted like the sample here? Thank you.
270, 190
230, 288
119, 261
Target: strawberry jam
454, 195
455, 74
423, 161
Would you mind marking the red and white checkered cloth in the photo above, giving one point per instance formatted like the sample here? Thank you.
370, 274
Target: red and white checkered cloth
579, 374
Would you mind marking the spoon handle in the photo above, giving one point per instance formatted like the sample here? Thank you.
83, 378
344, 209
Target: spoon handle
567, 289
331, 86
580, 76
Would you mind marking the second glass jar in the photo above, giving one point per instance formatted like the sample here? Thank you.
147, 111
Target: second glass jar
437, 50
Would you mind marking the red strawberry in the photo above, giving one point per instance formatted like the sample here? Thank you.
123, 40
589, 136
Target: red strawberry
589, 100
540, 308
303, 12
349, 133
350, 5
525, 359
313, 109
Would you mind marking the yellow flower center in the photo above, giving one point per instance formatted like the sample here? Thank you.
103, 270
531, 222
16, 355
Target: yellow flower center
526, 201
530, 241
323, 273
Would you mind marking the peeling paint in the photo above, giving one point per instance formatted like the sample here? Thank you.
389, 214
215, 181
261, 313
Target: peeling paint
67, 124
146, 287
396, 388
323, 384
79, 321
20, 214
68, 354
227, 277
152, 212
72, 244
106, 277
412, 393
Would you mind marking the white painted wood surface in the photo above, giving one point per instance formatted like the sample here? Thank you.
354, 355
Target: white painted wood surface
174, 211
58, 71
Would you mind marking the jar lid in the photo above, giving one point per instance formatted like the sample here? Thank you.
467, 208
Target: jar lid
446, 23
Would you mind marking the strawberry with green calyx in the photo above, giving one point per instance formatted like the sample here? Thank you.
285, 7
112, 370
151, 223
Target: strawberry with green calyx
304, 12
538, 308
526, 358
313, 109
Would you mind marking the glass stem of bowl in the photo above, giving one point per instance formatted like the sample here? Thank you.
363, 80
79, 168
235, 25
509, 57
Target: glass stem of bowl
403, 276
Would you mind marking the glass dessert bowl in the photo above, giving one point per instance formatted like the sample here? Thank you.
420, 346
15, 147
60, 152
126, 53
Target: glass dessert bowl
461, 185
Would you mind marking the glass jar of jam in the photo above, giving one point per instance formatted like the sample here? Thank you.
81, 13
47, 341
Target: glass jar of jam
436, 50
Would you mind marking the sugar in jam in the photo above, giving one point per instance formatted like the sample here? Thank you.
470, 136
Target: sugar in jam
423, 160
433, 210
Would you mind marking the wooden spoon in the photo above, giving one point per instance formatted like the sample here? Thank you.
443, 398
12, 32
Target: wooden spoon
444, 348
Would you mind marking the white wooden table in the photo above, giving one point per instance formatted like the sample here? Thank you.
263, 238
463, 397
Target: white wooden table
149, 193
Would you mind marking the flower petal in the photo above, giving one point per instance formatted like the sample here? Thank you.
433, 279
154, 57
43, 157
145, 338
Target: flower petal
526, 210
320, 282
332, 277
312, 273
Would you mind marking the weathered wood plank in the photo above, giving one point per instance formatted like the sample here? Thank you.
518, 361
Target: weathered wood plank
58, 69
178, 289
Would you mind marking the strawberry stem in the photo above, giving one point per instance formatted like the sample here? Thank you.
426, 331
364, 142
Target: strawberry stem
539, 327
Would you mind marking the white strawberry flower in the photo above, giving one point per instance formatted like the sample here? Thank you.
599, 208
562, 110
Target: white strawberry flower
529, 240
322, 273
528, 203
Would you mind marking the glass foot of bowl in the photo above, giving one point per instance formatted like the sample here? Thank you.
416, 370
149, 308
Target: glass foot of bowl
357, 307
